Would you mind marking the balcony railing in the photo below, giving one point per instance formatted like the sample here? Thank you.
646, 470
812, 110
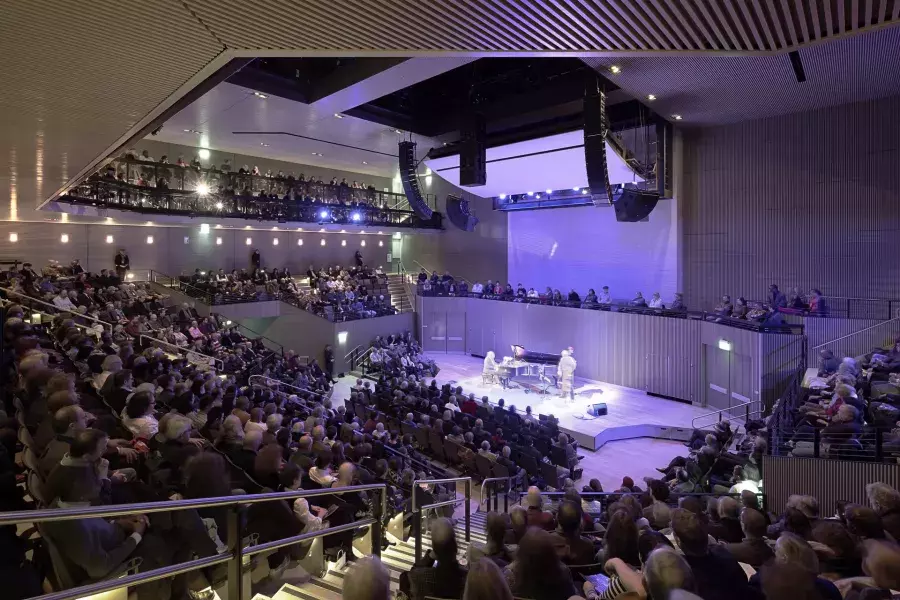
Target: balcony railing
154, 188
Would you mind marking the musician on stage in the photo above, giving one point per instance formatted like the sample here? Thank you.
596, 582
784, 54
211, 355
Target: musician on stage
566, 374
490, 368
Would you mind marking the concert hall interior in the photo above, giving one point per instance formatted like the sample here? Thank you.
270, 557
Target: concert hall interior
431, 300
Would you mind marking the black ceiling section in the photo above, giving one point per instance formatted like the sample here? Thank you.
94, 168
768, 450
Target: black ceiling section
309, 79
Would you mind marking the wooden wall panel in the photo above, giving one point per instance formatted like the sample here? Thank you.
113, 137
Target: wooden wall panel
808, 200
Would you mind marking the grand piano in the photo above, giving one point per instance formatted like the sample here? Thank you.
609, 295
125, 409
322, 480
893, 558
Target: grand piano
538, 368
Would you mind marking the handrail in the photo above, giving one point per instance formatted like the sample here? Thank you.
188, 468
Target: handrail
417, 510
56, 308
187, 351
236, 552
7, 302
508, 481
843, 337
281, 383
182, 285
256, 333
358, 346
721, 410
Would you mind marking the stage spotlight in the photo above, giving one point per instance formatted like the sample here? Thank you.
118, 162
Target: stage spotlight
356, 217
218, 206
575, 189
530, 194
549, 191
503, 196
202, 189
323, 214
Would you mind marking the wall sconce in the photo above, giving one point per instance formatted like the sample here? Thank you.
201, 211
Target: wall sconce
64, 238
342, 337
725, 345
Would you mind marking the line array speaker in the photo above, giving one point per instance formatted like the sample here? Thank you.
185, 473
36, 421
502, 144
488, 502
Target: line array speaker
594, 109
407, 159
473, 151
633, 205
459, 215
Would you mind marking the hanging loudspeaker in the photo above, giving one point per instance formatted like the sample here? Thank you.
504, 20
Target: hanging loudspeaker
458, 213
407, 159
633, 205
473, 151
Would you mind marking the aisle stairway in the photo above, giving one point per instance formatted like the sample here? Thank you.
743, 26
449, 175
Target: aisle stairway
398, 558
397, 289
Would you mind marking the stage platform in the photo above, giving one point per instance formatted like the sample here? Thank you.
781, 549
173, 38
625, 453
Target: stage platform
631, 413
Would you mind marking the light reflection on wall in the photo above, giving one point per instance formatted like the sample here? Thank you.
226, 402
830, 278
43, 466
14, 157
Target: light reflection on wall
13, 186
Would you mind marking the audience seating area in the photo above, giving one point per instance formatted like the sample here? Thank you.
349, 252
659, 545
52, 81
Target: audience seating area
140, 183
121, 421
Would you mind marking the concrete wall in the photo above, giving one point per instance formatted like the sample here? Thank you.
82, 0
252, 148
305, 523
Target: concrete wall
40, 242
307, 334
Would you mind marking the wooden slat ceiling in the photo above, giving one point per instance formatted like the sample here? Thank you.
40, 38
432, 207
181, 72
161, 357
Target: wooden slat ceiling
646, 26
80, 74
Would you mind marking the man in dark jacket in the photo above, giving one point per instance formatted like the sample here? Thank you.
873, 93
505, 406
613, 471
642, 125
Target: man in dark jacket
753, 549
122, 263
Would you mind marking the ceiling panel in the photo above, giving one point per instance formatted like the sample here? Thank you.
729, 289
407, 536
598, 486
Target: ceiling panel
709, 90
228, 108
557, 25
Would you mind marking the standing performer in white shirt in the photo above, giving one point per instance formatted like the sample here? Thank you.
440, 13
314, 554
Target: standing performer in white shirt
566, 373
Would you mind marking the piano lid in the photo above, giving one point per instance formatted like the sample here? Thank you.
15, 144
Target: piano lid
520, 353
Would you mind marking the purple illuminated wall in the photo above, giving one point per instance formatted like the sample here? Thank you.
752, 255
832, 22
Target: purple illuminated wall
586, 247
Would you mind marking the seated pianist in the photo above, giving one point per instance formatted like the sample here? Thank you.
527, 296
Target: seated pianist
489, 372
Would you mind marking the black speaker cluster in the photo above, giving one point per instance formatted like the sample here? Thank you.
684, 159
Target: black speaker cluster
632, 204
473, 151
407, 158
459, 215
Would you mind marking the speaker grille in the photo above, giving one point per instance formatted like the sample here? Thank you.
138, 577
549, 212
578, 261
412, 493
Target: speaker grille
595, 148
459, 215
407, 159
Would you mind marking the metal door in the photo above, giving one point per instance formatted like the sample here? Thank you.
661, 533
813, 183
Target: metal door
434, 332
742, 384
718, 377
456, 332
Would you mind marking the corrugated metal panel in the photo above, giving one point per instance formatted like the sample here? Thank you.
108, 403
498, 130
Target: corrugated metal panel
806, 200
567, 25
829, 481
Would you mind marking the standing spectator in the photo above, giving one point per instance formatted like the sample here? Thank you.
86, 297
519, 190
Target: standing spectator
329, 363
776, 298
357, 256
123, 264
255, 260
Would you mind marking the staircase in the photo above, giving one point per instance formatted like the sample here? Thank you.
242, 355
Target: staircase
397, 289
397, 558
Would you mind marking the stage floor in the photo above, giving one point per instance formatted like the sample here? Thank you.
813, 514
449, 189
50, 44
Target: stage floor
632, 413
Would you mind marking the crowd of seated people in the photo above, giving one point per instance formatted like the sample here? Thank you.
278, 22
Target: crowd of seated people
776, 302
241, 285
105, 424
447, 285
714, 548
397, 355
850, 410
342, 293
138, 180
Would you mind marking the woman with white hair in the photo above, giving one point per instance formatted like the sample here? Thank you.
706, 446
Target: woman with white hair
885, 501
111, 364
489, 372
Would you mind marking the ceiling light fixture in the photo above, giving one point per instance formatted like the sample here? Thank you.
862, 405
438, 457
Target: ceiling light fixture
549, 191
365, 163
263, 144
615, 69
338, 116
398, 131
651, 97
259, 95
676, 117
531, 193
